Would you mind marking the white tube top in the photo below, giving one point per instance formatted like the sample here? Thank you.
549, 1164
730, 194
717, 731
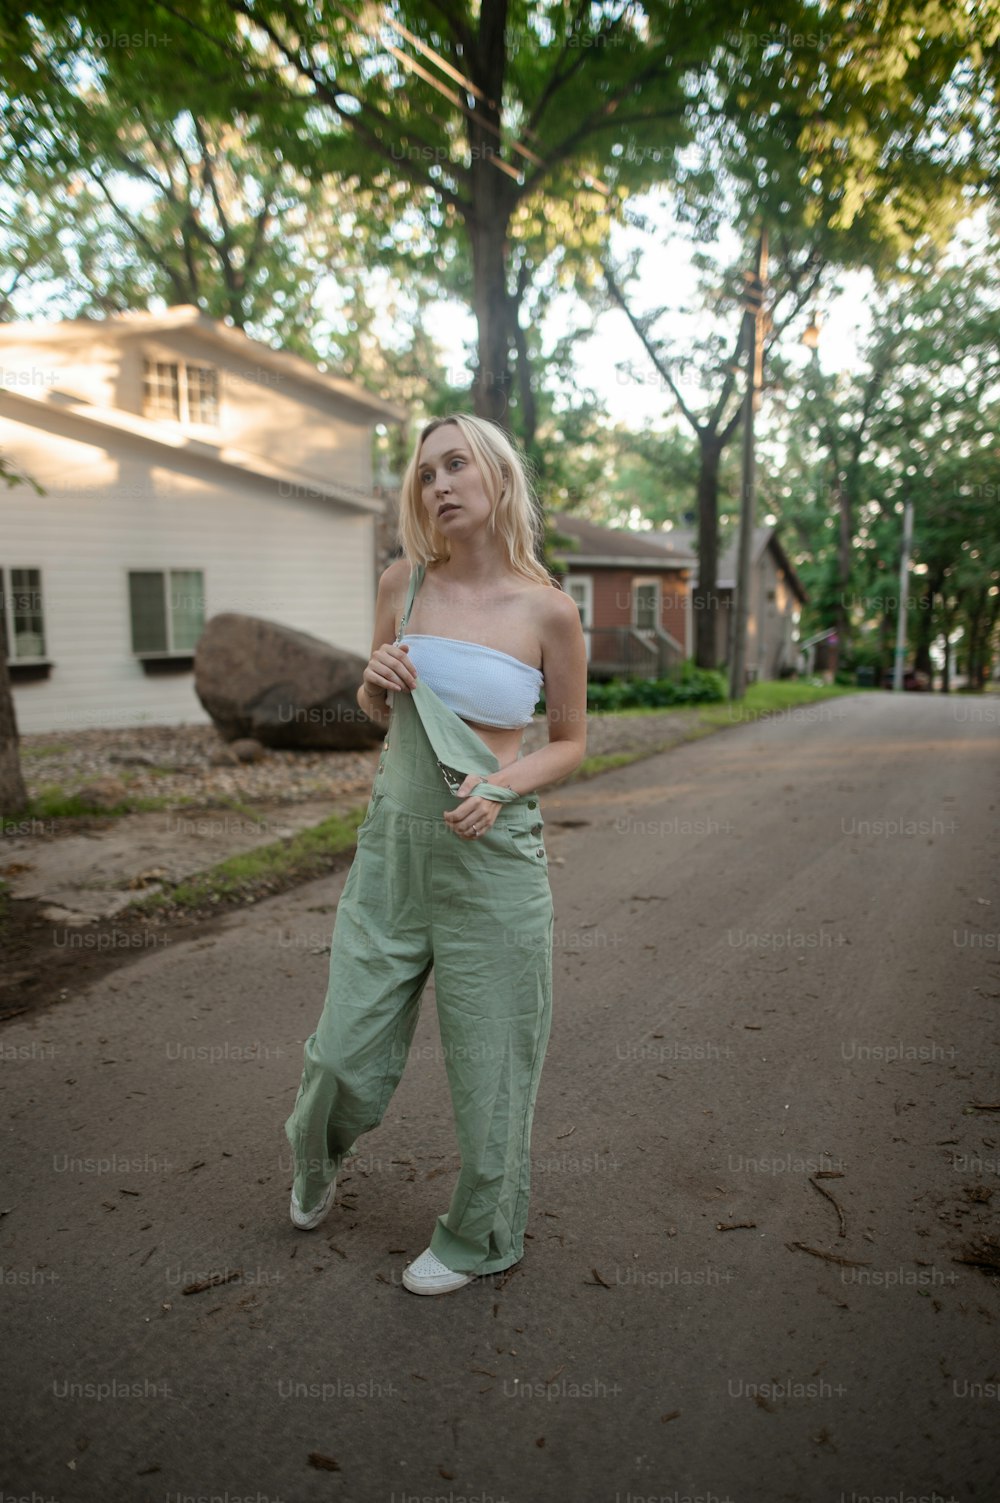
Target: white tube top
478, 683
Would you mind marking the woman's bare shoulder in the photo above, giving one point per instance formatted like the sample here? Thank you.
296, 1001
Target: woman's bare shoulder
555, 611
392, 574
393, 580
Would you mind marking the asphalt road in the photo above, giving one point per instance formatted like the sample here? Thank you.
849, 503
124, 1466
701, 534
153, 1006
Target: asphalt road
777, 975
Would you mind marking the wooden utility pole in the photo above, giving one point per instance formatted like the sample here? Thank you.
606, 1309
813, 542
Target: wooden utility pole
904, 599
756, 321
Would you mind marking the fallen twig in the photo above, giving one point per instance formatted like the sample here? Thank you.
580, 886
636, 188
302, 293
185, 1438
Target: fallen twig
597, 1278
211, 1281
828, 1257
734, 1226
833, 1201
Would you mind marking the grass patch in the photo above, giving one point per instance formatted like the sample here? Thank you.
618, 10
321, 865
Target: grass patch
245, 811
39, 753
53, 802
268, 868
761, 700
56, 802
774, 696
591, 766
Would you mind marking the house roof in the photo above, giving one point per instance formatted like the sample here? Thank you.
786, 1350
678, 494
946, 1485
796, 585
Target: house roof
763, 538
185, 316
613, 547
57, 409
677, 549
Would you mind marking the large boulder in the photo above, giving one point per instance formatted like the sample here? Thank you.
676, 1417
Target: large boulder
282, 687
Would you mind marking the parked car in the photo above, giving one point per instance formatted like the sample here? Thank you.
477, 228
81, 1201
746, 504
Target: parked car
913, 678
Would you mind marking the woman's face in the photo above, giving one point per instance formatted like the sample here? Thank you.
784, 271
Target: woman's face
451, 484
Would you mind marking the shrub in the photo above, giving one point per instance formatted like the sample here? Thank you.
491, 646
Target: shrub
690, 687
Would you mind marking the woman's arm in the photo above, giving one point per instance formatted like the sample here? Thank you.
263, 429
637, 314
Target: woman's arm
564, 669
372, 696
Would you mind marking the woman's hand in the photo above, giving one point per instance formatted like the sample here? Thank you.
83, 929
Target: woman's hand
388, 668
474, 816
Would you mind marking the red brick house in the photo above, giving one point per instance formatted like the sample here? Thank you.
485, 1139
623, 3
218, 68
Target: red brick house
634, 596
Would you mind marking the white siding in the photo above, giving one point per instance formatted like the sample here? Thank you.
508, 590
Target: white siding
305, 562
85, 366
261, 411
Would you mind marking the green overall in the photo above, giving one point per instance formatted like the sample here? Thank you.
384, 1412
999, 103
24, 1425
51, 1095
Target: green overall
478, 910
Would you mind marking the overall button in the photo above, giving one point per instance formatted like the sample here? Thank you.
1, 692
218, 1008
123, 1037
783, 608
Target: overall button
536, 829
532, 803
540, 852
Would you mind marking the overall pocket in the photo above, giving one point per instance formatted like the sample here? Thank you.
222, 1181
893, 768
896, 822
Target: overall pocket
375, 803
524, 830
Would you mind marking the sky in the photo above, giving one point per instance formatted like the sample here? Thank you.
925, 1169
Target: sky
613, 363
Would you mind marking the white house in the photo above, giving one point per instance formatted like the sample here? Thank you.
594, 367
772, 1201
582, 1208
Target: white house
187, 470
776, 599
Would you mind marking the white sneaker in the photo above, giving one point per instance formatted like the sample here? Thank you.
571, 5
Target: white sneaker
428, 1275
306, 1220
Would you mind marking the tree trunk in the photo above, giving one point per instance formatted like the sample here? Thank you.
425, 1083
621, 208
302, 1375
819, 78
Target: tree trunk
886, 641
491, 385
492, 205
13, 794
706, 600
842, 614
974, 638
925, 628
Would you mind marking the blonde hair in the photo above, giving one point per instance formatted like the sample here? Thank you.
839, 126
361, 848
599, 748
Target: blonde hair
514, 516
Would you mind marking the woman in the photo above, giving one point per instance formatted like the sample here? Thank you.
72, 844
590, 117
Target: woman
450, 868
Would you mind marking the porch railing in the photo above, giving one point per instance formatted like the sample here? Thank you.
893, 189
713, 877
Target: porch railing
631, 652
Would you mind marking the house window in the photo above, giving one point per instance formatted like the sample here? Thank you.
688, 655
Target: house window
202, 394
645, 603
23, 622
580, 587
160, 390
167, 608
180, 392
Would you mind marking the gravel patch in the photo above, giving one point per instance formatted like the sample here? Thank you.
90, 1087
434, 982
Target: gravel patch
175, 763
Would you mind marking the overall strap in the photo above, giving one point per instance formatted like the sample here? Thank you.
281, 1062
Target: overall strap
416, 576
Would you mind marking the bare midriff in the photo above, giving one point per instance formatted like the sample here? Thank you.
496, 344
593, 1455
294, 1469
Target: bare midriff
504, 744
